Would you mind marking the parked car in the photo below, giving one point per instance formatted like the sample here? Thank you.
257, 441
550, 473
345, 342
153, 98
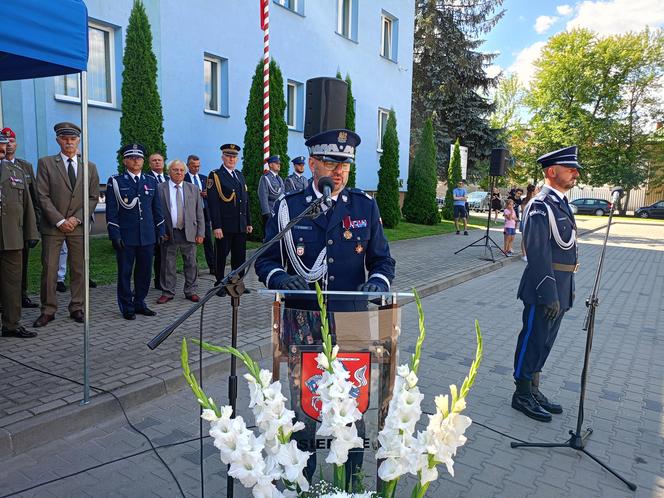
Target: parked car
598, 207
653, 211
478, 201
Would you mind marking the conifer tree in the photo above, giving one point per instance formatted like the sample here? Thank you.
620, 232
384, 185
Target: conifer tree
142, 119
419, 205
387, 195
252, 153
453, 177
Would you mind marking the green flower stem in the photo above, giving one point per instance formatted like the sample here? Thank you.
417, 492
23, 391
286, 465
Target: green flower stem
340, 476
324, 328
389, 488
252, 367
202, 398
415, 361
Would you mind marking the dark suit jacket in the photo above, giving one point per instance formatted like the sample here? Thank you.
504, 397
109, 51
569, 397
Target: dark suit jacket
203, 178
228, 201
57, 199
194, 224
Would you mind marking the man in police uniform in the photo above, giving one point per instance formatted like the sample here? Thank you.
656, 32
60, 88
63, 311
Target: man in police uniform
270, 187
343, 249
135, 224
296, 180
30, 178
228, 203
18, 228
547, 284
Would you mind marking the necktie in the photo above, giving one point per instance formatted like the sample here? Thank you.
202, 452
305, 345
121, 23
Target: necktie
71, 173
136, 179
196, 182
569, 211
161, 179
179, 208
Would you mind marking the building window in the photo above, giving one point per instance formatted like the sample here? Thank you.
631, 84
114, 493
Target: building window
215, 76
101, 70
294, 105
294, 5
383, 115
347, 18
389, 30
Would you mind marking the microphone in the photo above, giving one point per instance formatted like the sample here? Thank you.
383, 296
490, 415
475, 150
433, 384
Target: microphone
616, 194
325, 186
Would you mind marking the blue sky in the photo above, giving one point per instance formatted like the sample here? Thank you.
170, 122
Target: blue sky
528, 24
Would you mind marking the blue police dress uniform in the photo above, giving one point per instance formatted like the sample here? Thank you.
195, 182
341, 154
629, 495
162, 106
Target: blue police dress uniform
354, 254
140, 228
549, 277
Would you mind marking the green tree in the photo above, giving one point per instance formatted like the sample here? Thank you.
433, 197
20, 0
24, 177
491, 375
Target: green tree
601, 94
142, 119
419, 205
252, 155
387, 195
453, 177
449, 76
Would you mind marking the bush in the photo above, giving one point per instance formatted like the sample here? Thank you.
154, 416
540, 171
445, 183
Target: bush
387, 195
419, 205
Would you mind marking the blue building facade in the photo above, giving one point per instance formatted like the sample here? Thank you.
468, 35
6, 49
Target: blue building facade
207, 53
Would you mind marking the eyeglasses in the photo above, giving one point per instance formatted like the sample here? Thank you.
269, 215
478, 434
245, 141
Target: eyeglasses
331, 165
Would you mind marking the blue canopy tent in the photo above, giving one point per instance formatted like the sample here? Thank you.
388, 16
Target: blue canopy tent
48, 38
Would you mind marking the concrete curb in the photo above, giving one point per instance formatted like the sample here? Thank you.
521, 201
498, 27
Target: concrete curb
57, 423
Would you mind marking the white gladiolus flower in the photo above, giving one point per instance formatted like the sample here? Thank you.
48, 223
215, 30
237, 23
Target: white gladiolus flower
321, 359
335, 351
403, 370
390, 469
411, 379
209, 415
293, 462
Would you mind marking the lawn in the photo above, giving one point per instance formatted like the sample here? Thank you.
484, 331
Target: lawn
103, 268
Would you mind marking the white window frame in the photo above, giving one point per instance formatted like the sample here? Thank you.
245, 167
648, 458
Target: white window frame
216, 62
111, 71
381, 112
289, 4
386, 29
348, 28
291, 107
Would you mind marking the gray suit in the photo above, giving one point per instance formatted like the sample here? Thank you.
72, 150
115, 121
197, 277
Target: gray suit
58, 201
270, 187
184, 240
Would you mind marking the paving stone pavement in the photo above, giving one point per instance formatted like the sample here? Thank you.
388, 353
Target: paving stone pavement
623, 403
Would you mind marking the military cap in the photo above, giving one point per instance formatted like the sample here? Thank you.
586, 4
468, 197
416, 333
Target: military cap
230, 149
8, 132
274, 159
133, 150
566, 156
298, 160
4, 139
334, 145
67, 129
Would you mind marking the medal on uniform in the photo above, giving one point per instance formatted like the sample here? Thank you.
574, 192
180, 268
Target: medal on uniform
300, 249
347, 233
126, 199
359, 248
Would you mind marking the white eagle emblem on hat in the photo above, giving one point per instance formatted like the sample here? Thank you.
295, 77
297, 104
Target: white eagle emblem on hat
343, 136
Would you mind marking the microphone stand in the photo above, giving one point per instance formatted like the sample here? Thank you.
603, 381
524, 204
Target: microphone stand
234, 285
578, 439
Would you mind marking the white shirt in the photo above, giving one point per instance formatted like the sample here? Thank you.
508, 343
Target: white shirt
133, 176
561, 195
196, 180
231, 172
172, 199
159, 176
74, 163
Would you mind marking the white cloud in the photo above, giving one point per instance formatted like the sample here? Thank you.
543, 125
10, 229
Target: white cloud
543, 23
617, 16
493, 70
564, 10
523, 64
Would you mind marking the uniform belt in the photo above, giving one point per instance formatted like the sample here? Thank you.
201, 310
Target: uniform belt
566, 268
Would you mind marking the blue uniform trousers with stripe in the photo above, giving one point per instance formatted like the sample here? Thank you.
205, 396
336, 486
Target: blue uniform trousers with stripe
535, 341
136, 260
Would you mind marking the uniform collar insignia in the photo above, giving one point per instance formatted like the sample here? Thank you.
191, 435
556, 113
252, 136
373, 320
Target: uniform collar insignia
344, 198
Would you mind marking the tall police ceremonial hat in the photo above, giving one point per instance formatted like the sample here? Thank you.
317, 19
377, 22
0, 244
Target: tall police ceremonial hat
334, 145
566, 156
298, 160
133, 150
8, 133
274, 159
230, 149
67, 129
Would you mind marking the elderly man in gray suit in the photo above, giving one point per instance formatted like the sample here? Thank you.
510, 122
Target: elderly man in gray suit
60, 193
182, 206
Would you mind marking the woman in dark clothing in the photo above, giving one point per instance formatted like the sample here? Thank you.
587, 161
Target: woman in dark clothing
496, 204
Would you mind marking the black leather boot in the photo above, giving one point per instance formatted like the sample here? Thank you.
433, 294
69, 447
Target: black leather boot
549, 406
523, 400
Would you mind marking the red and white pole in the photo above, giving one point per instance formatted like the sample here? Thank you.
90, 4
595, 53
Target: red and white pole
265, 26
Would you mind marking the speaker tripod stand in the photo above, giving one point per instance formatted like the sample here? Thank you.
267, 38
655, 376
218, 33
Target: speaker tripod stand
486, 240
